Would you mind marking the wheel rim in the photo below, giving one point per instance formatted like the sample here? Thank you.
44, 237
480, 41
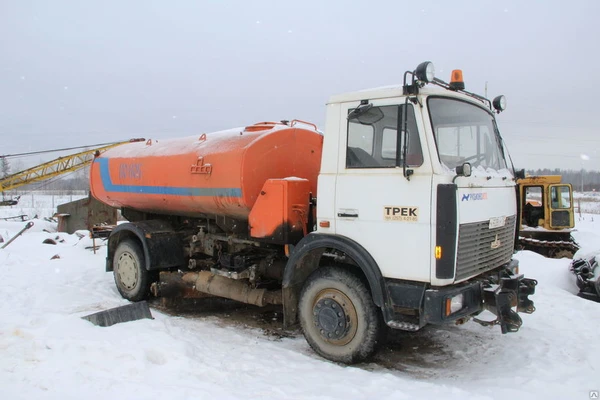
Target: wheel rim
335, 317
127, 271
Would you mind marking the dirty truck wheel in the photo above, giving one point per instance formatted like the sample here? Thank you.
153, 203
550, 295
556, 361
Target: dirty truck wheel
131, 277
338, 317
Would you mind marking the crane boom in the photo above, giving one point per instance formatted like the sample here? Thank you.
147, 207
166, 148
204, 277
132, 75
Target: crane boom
56, 167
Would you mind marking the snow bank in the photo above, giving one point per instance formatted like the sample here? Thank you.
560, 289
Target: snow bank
48, 352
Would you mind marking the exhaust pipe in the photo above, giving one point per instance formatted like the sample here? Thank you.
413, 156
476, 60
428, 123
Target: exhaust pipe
207, 282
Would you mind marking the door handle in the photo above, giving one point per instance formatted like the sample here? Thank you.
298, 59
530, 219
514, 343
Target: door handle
347, 215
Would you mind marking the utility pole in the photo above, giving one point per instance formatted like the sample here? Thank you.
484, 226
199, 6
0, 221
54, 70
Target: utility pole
584, 157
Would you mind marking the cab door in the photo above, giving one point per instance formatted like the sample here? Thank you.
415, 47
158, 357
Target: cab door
375, 205
561, 206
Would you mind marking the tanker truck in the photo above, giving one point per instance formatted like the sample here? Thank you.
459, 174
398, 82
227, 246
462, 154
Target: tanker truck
402, 214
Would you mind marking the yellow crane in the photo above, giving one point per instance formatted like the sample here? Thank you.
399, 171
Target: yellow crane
56, 167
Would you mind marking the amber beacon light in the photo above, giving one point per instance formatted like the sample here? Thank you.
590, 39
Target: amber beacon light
456, 80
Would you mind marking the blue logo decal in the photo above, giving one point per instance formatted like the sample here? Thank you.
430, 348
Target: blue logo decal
474, 196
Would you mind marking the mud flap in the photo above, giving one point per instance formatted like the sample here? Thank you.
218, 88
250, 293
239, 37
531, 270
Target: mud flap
129, 312
502, 295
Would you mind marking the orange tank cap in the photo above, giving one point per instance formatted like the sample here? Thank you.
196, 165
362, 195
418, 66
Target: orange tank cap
261, 126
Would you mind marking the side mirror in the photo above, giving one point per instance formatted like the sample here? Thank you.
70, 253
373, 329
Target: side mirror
464, 170
358, 111
366, 114
520, 174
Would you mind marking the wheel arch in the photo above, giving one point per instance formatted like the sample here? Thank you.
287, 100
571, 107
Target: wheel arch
160, 243
306, 258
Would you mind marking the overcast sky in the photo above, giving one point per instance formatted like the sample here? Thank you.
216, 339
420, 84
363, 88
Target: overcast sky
86, 72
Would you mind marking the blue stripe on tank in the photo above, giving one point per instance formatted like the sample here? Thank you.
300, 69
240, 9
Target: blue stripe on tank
167, 190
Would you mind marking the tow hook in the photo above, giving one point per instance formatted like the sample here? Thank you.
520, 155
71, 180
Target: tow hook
526, 288
502, 294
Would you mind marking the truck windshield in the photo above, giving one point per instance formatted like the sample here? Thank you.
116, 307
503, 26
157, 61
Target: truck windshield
465, 133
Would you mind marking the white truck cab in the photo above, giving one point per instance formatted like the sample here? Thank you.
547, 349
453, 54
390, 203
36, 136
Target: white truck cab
415, 195
365, 196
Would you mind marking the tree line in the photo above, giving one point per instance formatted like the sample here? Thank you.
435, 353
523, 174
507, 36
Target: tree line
589, 179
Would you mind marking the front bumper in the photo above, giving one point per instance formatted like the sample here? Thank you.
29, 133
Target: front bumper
434, 304
501, 292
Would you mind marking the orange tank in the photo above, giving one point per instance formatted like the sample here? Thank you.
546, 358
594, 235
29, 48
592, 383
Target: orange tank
218, 173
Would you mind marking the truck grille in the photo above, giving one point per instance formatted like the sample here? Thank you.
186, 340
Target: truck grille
475, 253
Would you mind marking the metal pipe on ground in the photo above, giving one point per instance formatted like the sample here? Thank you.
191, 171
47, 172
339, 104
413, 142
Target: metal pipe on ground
29, 225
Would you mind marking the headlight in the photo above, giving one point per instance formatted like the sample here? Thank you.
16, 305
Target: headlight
425, 72
499, 103
454, 304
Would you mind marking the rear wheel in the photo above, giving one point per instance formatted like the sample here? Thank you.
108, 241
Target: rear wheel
132, 278
338, 317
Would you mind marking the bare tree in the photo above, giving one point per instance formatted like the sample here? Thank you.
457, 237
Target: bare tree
4, 167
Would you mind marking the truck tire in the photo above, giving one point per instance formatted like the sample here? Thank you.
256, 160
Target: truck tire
338, 317
132, 278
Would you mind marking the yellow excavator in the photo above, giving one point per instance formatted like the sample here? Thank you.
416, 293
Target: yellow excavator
51, 169
546, 216
546, 223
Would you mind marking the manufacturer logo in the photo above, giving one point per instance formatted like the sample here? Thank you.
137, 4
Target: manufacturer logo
496, 243
200, 167
474, 196
398, 213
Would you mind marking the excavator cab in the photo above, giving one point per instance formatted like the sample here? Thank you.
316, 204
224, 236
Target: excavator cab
547, 216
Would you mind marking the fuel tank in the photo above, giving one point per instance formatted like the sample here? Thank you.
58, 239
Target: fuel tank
218, 173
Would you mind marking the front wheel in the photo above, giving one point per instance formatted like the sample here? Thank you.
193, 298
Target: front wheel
132, 278
338, 317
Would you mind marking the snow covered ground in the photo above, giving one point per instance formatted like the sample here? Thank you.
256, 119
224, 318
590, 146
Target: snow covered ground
48, 352
587, 202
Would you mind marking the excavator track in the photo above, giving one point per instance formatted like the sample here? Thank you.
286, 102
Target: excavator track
549, 248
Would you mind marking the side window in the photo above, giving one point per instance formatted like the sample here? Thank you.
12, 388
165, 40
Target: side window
361, 137
414, 154
560, 197
533, 207
373, 134
388, 148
